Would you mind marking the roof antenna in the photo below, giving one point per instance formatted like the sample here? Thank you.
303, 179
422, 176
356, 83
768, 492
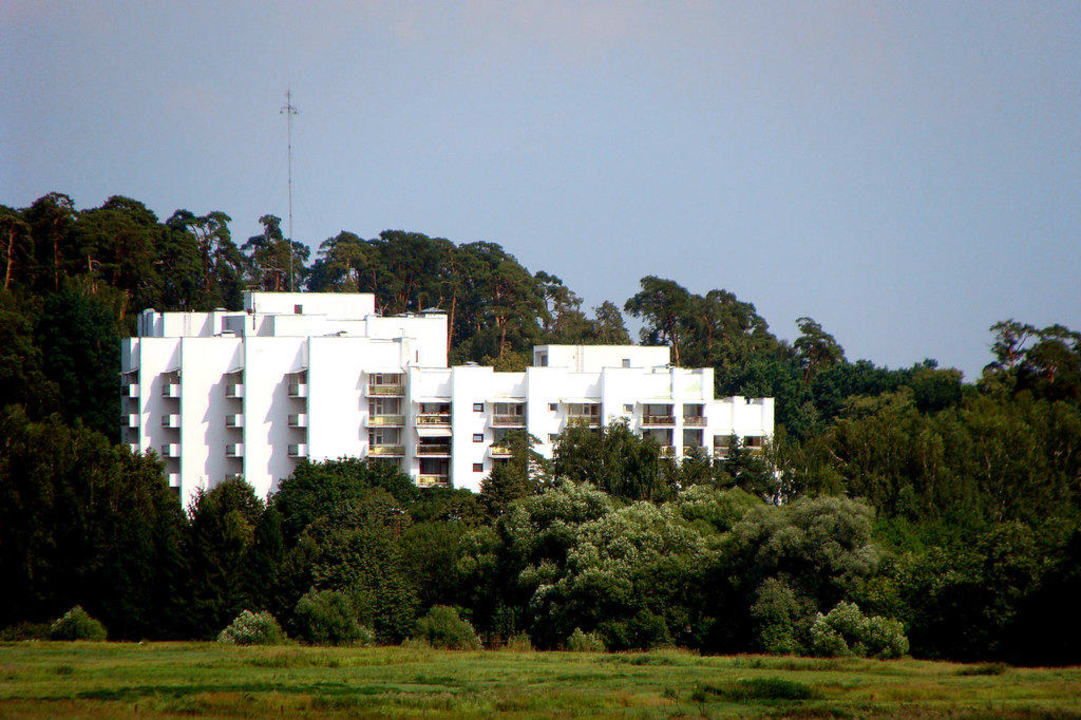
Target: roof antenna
289, 111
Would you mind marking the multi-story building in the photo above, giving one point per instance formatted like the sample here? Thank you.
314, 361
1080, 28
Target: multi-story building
322, 376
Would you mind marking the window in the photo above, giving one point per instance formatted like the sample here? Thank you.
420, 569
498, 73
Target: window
478, 407
478, 467
542, 359
478, 437
628, 408
552, 438
298, 309
626, 362
553, 407
752, 441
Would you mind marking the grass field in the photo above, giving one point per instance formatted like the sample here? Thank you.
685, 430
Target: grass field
183, 680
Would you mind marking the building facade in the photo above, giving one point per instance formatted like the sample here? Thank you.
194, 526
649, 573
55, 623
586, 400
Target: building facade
322, 376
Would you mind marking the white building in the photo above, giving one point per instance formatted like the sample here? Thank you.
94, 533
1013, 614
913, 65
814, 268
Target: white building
321, 376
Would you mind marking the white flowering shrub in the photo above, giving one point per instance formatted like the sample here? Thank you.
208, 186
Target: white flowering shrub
250, 628
847, 631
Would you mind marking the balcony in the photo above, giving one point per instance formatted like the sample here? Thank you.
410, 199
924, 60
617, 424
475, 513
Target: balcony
299, 450
386, 420
433, 450
434, 419
298, 390
587, 420
694, 421
170, 421
668, 451
433, 480
134, 447
130, 390
170, 390
234, 450
298, 421
234, 391
500, 451
516, 421
174, 480
386, 450
129, 421
662, 420
689, 450
234, 421
234, 476
170, 450
386, 390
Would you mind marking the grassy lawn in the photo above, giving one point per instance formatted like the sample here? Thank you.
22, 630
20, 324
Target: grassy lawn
182, 680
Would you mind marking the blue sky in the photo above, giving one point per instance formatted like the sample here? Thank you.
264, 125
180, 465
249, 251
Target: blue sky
904, 173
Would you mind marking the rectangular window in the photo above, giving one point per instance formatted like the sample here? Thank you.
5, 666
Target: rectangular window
298, 309
478, 407
478, 467
626, 362
542, 359
628, 408
478, 437
553, 407
552, 438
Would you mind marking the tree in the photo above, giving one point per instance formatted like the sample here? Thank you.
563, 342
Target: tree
816, 348
662, 305
18, 243
613, 459
275, 263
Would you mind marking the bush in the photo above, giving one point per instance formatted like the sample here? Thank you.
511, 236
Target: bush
847, 631
25, 631
327, 617
584, 642
252, 629
76, 624
520, 643
442, 628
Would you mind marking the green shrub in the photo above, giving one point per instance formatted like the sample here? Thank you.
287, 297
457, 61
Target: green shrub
76, 624
584, 642
442, 628
327, 617
985, 669
757, 689
847, 631
25, 631
250, 628
520, 642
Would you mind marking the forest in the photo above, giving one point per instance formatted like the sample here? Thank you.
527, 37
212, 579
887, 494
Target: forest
890, 499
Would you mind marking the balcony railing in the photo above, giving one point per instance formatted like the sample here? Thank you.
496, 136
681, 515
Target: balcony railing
299, 450
689, 450
433, 480
134, 447
694, 421
170, 450
500, 451
386, 420
386, 450
170, 421
298, 390
234, 421
386, 390
433, 450
434, 419
298, 421
174, 480
130, 390
587, 420
668, 451
129, 421
234, 450
170, 390
234, 391
508, 421
658, 420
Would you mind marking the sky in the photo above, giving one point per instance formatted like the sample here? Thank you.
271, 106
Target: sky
905, 173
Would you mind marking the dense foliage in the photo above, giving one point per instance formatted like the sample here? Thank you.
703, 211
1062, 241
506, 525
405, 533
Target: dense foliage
894, 506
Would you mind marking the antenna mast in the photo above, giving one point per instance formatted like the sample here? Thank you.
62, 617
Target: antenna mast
289, 111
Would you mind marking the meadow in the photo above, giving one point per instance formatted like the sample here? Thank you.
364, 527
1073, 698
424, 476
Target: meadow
183, 680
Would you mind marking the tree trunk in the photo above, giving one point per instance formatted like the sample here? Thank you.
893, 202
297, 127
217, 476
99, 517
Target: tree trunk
11, 257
